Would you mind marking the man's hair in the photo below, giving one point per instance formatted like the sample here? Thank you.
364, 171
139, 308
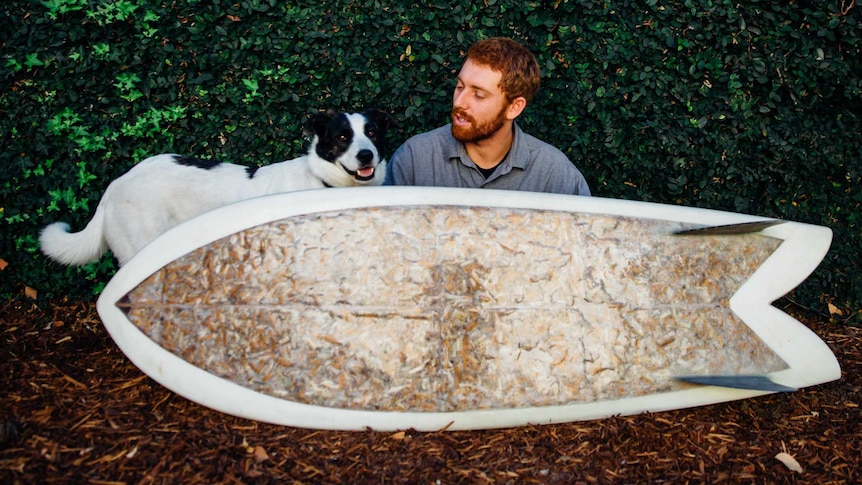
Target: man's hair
521, 74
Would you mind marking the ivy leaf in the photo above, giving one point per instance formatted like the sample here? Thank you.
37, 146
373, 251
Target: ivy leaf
32, 61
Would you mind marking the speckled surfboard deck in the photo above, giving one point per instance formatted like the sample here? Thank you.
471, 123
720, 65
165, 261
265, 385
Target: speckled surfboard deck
433, 308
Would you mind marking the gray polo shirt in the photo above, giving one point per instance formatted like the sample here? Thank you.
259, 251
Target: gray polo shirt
436, 158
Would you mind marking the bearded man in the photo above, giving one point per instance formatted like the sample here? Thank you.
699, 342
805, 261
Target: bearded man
483, 146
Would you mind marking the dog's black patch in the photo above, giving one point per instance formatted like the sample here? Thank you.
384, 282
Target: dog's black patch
197, 162
334, 134
250, 171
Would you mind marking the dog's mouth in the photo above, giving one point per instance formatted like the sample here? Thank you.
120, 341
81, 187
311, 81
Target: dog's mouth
363, 174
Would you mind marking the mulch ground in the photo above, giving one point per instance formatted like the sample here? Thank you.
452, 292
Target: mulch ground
73, 409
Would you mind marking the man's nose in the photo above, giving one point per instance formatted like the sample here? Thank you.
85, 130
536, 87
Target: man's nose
458, 99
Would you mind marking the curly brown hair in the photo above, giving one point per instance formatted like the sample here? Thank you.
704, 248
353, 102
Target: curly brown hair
521, 73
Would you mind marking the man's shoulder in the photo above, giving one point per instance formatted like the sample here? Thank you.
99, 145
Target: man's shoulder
540, 155
550, 163
418, 149
436, 135
539, 146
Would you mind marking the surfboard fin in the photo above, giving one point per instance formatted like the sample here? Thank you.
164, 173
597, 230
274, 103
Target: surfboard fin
752, 382
741, 228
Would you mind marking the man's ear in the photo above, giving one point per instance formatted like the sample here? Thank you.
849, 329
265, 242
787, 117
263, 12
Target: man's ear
516, 107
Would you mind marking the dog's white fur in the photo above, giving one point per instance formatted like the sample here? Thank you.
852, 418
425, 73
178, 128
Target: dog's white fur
159, 193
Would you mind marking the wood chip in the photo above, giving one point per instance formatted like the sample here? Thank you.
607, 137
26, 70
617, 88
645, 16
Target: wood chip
789, 461
57, 432
260, 454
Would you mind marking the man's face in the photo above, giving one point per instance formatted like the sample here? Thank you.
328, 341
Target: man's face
478, 105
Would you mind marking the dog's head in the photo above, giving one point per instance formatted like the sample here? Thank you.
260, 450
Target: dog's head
348, 148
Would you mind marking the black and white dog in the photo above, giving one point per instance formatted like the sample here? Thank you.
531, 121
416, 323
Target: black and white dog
347, 149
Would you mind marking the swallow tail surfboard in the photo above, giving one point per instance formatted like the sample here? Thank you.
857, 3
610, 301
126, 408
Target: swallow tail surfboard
439, 308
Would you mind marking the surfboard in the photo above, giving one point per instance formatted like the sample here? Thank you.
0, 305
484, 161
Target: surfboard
440, 308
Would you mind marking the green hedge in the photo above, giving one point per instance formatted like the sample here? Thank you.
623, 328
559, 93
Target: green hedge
743, 106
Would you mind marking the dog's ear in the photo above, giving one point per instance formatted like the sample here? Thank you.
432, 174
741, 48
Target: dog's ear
380, 118
318, 123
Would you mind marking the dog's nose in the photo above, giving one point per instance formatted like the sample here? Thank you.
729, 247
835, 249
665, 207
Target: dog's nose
365, 157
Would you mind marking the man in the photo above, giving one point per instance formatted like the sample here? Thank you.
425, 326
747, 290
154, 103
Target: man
483, 147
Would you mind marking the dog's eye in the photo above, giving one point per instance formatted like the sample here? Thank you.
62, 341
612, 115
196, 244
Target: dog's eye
342, 138
371, 133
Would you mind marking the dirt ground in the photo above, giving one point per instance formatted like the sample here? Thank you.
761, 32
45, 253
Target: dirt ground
75, 410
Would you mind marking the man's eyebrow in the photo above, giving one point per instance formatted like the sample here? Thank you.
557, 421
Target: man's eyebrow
474, 86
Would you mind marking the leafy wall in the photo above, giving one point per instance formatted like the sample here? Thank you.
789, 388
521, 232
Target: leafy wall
743, 106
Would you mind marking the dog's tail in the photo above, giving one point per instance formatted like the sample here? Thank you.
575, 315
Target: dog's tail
75, 248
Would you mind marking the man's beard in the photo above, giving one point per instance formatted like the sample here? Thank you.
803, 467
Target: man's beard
475, 133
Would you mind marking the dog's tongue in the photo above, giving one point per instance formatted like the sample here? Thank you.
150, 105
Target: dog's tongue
365, 172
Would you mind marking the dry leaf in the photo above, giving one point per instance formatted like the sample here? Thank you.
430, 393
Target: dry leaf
834, 310
397, 436
30, 293
3, 264
260, 454
789, 461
